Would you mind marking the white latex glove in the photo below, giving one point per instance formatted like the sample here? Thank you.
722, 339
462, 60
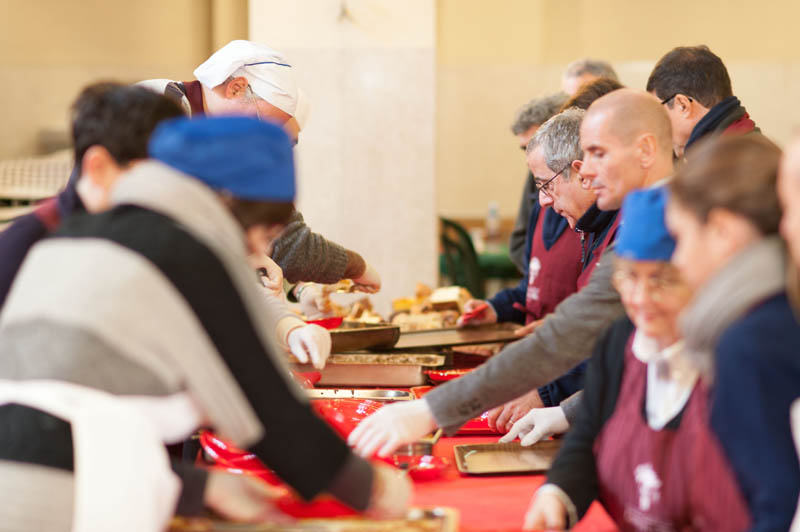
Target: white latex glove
270, 274
240, 497
546, 512
311, 301
310, 344
537, 424
369, 281
391, 493
487, 316
390, 427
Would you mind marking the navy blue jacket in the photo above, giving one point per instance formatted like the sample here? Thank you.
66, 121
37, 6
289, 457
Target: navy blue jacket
503, 301
596, 224
757, 378
26, 230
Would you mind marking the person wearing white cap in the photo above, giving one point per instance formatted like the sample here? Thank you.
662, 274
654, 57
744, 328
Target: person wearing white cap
250, 78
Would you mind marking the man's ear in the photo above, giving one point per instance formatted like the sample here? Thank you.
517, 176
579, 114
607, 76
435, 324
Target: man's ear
236, 88
98, 165
684, 105
576, 166
647, 147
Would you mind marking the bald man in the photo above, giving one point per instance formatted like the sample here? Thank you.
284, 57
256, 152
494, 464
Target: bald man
625, 132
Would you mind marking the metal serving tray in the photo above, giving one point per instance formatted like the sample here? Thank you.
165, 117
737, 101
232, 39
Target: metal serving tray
365, 337
506, 458
434, 338
350, 393
417, 520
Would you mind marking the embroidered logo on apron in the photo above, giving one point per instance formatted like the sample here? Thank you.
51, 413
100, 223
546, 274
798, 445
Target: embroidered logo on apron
534, 268
649, 486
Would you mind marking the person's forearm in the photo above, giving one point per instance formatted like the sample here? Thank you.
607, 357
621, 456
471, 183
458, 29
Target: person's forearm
566, 337
571, 406
356, 266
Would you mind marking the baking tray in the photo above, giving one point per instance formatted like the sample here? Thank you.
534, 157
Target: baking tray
365, 337
417, 520
482, 334
350, 393
506, 458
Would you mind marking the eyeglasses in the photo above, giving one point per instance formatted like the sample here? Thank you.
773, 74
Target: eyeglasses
657, 287
543, 187
665, 100
253, 100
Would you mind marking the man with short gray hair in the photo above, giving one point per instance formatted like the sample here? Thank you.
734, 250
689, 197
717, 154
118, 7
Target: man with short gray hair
527, 120
583, 71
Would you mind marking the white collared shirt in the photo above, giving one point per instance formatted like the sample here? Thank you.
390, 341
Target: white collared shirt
670, 379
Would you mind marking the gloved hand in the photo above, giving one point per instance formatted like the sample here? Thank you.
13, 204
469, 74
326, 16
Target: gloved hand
546, 512
243, 498
487, 316
392, 426
312, 303
537, 424
369, 281
269, 273
503, 417
391, 493
310, 344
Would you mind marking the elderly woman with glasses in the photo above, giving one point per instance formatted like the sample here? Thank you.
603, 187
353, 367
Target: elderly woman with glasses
642, 445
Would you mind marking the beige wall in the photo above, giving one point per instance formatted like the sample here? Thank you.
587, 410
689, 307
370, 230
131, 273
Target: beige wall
49, 49
366, 156
494, 56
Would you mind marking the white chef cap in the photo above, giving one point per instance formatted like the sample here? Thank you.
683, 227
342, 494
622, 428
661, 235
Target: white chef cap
267, 71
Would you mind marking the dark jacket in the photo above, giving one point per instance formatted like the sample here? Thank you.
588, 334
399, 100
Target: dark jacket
757, 378
728, 117
595, 224
26, 230
518, 242
554, 227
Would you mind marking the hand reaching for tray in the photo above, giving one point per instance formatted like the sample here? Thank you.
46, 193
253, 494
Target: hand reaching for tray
392, 426
537, 424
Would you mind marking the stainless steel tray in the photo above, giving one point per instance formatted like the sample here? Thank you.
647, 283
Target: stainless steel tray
506, 458
350, 393
417, 520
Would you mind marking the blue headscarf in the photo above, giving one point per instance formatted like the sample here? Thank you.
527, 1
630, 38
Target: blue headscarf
643, 234
246, 157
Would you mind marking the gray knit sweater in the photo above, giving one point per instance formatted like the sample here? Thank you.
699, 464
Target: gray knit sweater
307, 256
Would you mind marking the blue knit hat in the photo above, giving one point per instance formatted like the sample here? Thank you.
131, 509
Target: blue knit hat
246, 157
643, 232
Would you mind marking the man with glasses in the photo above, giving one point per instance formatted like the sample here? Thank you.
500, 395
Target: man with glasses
693, 84
528, 119
625, 138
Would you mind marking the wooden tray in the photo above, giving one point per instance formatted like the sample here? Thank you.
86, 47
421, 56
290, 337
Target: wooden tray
506, 458
482, 334
417, 520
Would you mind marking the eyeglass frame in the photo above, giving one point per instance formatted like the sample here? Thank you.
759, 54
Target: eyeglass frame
657, 287
543, 186
665, 100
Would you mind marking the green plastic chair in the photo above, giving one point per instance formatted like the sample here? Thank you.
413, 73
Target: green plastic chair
459, 261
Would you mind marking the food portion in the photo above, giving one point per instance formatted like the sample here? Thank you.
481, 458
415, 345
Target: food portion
430, 309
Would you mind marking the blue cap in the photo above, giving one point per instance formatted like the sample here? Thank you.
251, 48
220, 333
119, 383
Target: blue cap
246, 157
643, 232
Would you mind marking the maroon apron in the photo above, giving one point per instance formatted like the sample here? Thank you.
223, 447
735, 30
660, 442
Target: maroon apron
552, 273
583, 280
674, 479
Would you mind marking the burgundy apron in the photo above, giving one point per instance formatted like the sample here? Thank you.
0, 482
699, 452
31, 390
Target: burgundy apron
583, 280
674, 479
552, 273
